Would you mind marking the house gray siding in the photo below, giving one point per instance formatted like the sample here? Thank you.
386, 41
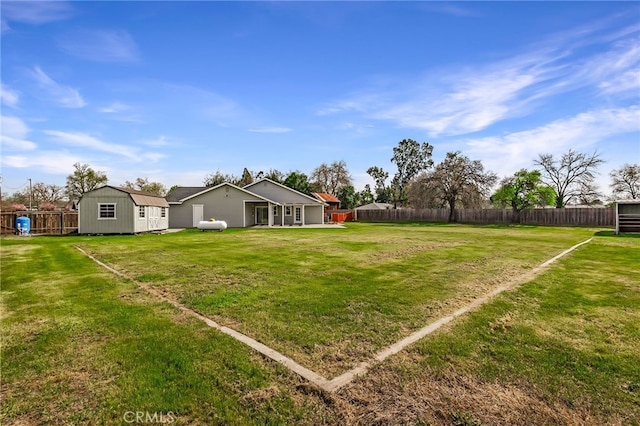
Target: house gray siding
223, 203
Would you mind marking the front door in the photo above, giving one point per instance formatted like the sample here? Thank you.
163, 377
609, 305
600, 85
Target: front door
297, 215
262, 215
198, 214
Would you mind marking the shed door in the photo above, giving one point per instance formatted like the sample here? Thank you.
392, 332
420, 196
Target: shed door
198, 214
154, 218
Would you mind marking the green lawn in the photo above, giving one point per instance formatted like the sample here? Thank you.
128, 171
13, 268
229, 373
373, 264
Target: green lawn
332, 298
81, 345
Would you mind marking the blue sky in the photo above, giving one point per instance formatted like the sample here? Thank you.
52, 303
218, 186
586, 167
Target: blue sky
173, 91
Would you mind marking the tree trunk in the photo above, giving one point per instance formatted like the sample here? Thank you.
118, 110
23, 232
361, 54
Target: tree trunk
452, 211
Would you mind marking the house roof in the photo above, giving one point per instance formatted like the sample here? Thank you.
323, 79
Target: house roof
179, 193
183, 193
327, 198
375, 206
315, 200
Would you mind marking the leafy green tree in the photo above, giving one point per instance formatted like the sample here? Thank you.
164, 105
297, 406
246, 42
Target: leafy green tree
218, 177
143, 184
246, 179
411, 158
571, 176
366, 196
272, 174
349, 198
83, 179
298, 181
625, 181
383, 192
521, 191
456, 181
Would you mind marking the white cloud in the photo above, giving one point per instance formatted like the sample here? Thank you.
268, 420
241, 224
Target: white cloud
114, 107
461, 101
271, 130
35, 12
513, 151
55, 162
100, 45
83, 140
8, 96
66, 96
86, 141
13, 134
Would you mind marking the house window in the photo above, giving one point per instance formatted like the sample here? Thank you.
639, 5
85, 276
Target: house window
275, 210
141, 212
287, 211
163, 212
107, 211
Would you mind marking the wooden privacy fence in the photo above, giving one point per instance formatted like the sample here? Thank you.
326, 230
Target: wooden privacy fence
49, 223
559, 217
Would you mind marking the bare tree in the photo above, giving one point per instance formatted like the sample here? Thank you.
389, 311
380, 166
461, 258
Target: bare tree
625, 181
572, 176
43, 193
331, 178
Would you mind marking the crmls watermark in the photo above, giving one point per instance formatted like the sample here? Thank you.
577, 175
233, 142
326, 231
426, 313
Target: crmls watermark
147, 417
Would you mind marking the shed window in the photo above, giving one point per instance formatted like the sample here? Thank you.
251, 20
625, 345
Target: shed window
106, 211
163, 212
141, 212
287, 211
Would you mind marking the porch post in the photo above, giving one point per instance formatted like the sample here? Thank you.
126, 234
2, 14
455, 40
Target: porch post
303, 215
270, 214
282, 214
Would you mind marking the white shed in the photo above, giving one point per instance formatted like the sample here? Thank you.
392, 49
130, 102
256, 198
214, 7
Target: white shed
115, 210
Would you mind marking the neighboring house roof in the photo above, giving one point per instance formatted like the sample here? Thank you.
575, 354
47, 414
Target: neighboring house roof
327, 198
375, 206
140, 198
181, 194
315, 200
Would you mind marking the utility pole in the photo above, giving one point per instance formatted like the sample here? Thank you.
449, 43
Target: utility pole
30, 192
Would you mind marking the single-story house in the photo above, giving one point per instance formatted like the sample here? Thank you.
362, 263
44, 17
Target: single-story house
115, 210
375, 206
627, 216
264, 202
236, 206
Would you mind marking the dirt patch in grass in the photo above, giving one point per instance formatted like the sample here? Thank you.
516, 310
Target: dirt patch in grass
387, 398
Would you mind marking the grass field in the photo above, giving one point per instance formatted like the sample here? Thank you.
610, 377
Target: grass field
80, 344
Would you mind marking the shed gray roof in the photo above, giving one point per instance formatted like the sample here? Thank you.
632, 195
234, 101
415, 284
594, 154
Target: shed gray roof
140, 198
